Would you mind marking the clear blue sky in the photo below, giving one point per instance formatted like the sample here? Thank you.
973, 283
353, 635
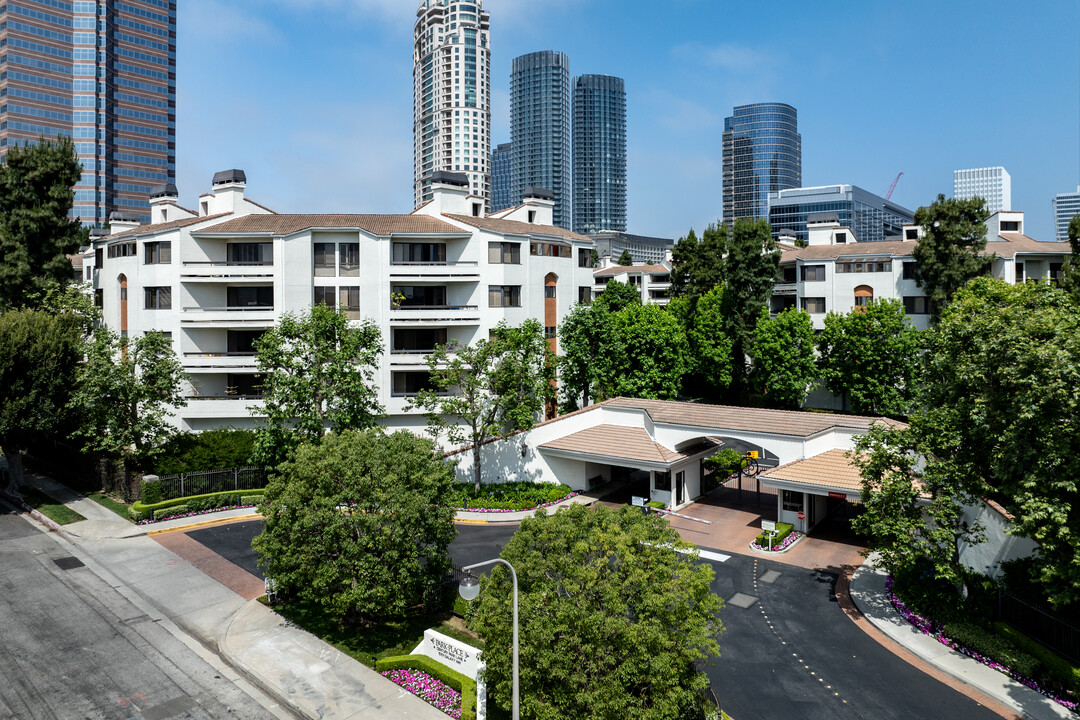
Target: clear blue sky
313, 98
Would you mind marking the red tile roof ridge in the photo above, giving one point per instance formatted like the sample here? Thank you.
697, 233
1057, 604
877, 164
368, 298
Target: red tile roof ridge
162, 227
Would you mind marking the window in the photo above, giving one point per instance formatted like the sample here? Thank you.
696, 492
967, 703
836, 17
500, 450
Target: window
418, 340
242, 342
122, 250
410, 383
663, 481
244, 386
419, 253
911, 234
261, 297
324, 260
421, 295
349, 301
504, 253
325, 296
841, 238
157, 298
350, 259
584, 294
863, 295
656, 279
157, 253
251, 253
813, 273
813, 305
584, 257
793, 501
504, 295
532, 216
917, 305
864, 266
1010, 226
550, 250
909, 271
549, 291
1019, 272
1056, 272
789, 274
550, 332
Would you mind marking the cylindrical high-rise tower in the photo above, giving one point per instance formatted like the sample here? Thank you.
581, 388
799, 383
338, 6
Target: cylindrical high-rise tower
762, 154
451, 94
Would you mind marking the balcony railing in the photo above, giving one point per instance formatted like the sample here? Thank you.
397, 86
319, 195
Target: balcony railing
434, 307
231, 308
231, 263
225, 397
434, 263
212, 354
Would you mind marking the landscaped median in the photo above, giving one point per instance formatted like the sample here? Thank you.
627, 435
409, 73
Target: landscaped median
146, 513
432, 682
784, 537
509, 497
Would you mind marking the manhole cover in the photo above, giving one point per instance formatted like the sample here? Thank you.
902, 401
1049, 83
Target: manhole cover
68, 563
742, 600
770, 577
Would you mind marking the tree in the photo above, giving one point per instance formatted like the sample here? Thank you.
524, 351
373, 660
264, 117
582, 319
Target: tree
626, 258
649, 356
613, 620
318, 372
125, 393
617, 295
785, 367
360, 524
1001, 413
1070, 279
750, 270
697, 265
586, 338
36, 234
489, 389
709, 346
949, 253
39, 353
870, 358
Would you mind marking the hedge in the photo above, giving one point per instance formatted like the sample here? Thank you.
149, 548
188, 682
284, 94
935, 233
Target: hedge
782, 531
195, 503
465, 685
1057, 667
993, 646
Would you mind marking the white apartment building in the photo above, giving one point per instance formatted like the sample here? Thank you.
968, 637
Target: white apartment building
837, 273
452, 95
992, 184
652, 281
216, 278
1066, 207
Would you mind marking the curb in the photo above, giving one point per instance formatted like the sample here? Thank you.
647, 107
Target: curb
204, 523
24, 507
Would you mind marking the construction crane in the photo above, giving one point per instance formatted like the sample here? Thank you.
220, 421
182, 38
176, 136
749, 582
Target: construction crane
888, 195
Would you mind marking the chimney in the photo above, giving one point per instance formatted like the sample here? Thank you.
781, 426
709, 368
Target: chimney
161, 197
539, 205
450, 193
228, 187
121, 221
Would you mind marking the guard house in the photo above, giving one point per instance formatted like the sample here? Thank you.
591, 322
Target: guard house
658, 447
811, 489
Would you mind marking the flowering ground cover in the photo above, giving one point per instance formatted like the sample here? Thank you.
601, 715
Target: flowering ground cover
928, 627
428, 689
193, 513
782, 545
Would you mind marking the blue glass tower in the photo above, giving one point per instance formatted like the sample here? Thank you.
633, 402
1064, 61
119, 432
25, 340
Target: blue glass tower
502, 181
599, 154
762, 154
540, 128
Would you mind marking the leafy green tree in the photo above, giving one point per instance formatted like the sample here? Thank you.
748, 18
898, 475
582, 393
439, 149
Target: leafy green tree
870, 357
490, 389
649, 356
217, 449
125, 394
751, 267
594, 258
613, 621
949, 253
785, 366
318, 371
36, 234
1001, 412
617, 295
1071, 276
360, 524
586, 339
626, 258
727, 462
697, 266
39, 353
709, 355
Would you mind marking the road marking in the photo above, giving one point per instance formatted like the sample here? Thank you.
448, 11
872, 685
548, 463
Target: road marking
714, 556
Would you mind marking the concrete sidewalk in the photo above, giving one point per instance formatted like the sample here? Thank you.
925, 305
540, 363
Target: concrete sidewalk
868, 592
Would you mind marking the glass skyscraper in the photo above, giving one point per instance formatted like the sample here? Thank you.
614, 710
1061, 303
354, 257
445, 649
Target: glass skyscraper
1066, 207
451, 94
540, 128
599, 154
870, 217
762, 154
502, 181
104, 74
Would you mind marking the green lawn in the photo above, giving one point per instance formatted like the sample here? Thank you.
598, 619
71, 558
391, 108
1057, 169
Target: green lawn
55, 511
116, 506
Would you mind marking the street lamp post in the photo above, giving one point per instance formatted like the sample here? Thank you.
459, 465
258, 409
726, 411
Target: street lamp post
470, 588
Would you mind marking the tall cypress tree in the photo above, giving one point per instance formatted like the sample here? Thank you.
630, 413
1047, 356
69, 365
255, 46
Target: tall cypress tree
36, 234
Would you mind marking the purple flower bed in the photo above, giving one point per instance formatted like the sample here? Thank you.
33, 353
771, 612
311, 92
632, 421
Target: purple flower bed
785, 543
428, 689
507, 510
193, 514
927, 627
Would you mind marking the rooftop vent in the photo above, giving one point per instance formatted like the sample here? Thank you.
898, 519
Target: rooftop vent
537, 193
822, 218
124, 217
159, 191
449, 178
229, 176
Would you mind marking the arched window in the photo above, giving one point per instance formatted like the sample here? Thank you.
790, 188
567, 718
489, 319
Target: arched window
863, 295
123, 294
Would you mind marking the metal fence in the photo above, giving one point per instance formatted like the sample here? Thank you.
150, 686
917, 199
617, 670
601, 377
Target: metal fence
1041, 623
211, 481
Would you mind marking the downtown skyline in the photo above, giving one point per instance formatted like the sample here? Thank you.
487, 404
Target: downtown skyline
319, 94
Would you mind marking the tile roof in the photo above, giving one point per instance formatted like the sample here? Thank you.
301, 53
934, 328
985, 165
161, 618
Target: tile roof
161, 227
621, 443
381, 225
1013, 243
831, 252
830, 469
646, 269
517, 227
774, 422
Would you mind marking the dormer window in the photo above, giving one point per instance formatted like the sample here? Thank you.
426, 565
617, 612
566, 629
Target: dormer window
532, 216
1010, 226
204, 206
841, 238
476, 208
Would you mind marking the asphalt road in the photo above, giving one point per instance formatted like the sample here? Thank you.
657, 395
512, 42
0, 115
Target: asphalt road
72, 647
792, 654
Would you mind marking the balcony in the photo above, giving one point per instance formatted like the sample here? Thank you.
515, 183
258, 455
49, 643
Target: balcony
226, 271
238, 316
217, 361
221, 407
443, 271
435, 315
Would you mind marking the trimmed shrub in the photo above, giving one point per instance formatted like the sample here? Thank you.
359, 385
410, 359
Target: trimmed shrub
151, 492
1057, 668
208, 450
782, 531
465, 685
658, 504
251, 499
174, 511
195, 503
509, 496
993, 646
